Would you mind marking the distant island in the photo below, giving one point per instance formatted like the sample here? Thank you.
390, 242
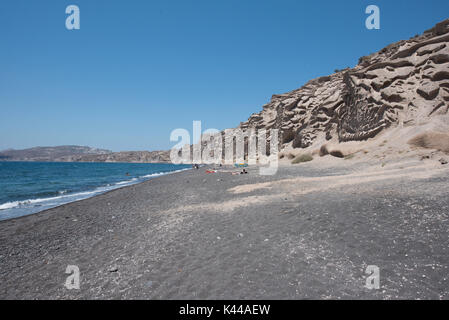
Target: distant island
83, 154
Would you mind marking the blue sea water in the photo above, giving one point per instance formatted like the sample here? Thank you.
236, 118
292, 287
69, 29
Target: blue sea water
30, 187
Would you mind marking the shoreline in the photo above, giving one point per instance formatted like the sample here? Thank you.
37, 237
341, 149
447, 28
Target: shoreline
308, 232
116, 186
99, 194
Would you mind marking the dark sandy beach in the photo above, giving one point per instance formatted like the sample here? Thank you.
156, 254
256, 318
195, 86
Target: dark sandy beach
192, 235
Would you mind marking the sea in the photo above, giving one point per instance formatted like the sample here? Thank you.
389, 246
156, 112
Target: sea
30, 187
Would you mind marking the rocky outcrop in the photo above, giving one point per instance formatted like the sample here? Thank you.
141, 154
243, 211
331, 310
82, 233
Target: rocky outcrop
404, 84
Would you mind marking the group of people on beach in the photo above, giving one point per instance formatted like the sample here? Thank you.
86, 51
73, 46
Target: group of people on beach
215, 170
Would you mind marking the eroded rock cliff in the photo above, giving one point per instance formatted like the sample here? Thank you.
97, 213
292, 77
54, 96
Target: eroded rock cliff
404, 84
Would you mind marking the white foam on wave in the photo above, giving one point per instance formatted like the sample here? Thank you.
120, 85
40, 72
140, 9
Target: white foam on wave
126, 181
164, 173
30, 202
9, 205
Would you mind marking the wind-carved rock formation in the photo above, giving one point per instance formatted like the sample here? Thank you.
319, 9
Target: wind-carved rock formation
404, 84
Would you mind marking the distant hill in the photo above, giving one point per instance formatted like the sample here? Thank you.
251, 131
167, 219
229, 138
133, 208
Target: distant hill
124, 156
49, 153
82, 154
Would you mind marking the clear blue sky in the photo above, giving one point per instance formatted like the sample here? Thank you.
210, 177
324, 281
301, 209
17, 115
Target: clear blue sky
136, 70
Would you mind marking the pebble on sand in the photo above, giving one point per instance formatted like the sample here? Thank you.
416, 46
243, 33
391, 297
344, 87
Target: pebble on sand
113, 269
